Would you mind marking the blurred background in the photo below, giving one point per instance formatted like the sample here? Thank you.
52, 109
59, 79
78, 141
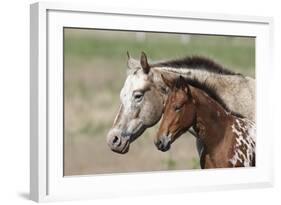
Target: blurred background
94, 73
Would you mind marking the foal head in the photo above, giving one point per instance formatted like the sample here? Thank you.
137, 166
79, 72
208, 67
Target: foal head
179, 113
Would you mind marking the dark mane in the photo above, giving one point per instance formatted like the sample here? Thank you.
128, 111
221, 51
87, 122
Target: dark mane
212, 93
196, 62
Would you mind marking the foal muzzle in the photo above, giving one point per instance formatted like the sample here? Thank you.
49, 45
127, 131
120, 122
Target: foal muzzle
163, 143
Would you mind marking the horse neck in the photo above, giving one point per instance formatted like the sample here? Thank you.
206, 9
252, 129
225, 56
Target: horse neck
222, 83
211, 118
202, 76
212, 79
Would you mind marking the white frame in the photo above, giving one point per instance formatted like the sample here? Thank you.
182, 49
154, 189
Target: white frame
46, 179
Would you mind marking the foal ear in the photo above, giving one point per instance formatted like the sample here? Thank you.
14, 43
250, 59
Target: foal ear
184, 85
180, 83
187, 90
167, 81
144, 64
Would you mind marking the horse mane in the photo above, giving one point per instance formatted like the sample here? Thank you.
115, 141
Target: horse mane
211, 91
196, 62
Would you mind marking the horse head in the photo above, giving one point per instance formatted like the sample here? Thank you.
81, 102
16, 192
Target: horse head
141, 106
179, 113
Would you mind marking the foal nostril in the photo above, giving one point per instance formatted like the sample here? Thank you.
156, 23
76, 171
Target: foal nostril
157, 142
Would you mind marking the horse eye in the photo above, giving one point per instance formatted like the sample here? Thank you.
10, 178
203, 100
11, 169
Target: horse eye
163, 90
177, 109
138, 96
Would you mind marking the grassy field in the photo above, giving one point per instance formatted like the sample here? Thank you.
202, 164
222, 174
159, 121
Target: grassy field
94, 72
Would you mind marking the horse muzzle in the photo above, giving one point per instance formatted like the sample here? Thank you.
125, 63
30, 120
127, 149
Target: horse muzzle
163, 143
118, 143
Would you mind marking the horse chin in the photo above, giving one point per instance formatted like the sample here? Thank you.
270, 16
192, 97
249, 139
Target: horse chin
165, 149
124, 149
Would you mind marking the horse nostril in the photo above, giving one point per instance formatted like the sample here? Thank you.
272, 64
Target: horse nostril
115, 139
159, 144
116, 142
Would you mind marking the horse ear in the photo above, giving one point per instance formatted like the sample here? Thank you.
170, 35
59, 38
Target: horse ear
144, 64
132, 63
167, 81
128, 55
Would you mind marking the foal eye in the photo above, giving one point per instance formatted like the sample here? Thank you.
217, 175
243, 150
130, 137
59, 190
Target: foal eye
177, 109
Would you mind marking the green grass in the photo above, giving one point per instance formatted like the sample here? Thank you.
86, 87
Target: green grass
235, 52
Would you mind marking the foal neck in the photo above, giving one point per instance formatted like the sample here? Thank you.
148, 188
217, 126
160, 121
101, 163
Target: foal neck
211, 118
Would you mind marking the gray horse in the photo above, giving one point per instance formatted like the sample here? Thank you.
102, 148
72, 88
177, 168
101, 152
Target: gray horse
144, 94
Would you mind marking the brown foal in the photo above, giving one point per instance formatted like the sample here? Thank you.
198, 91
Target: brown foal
229, 140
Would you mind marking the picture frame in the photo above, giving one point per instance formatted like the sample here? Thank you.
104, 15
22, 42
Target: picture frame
47, 21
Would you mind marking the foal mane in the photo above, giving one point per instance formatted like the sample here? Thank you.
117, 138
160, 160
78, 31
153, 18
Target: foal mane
196, 62
211, 92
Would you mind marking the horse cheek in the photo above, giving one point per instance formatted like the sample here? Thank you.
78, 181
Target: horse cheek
151, 111
158, 106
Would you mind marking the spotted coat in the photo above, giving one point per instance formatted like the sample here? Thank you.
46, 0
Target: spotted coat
244, 143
